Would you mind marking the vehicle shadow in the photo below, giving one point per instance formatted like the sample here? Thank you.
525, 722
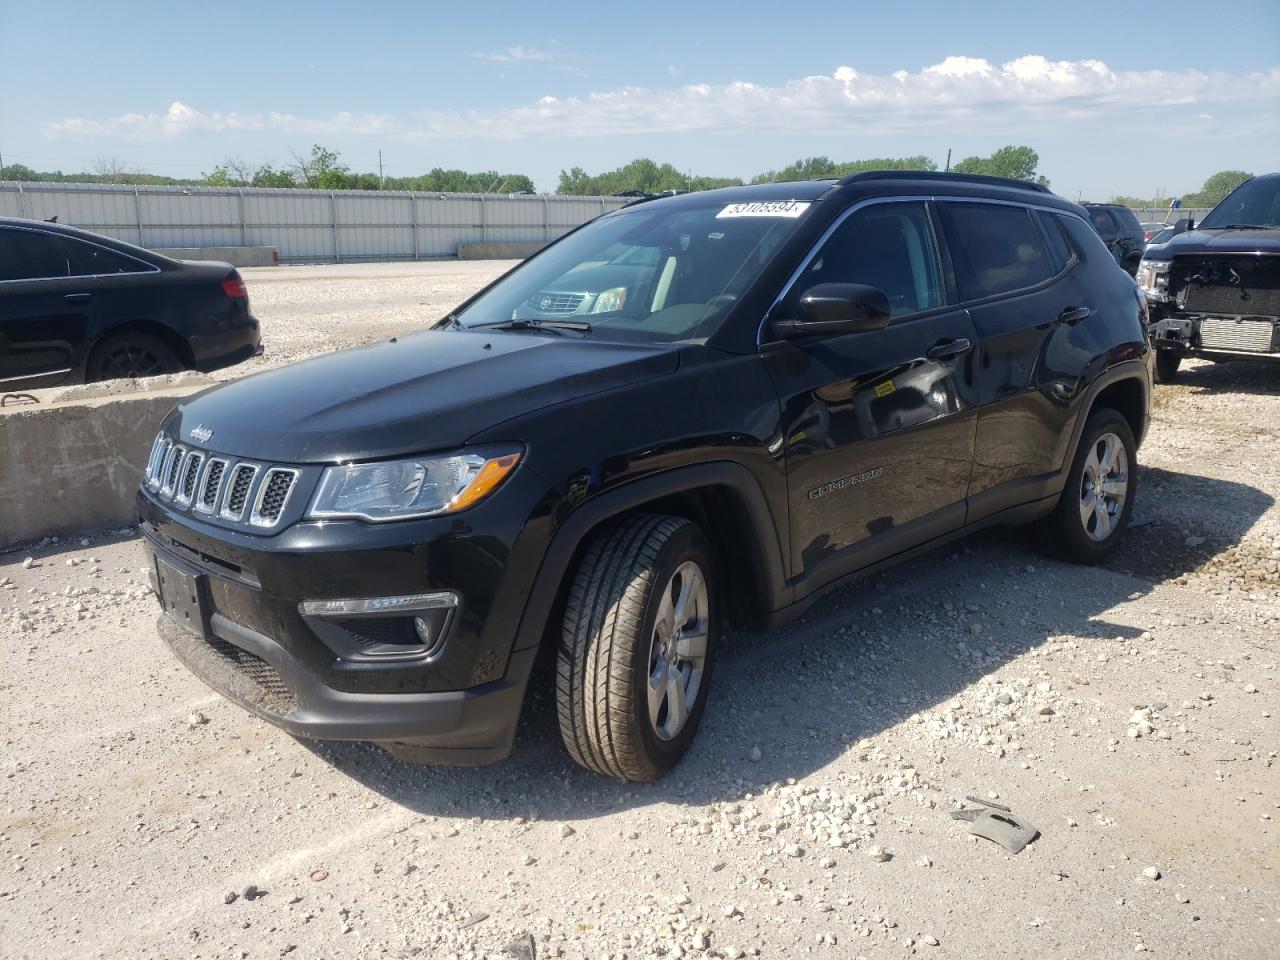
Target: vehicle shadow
861, 660
1249, 377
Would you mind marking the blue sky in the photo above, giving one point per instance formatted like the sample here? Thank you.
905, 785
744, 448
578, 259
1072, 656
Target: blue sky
1117, 98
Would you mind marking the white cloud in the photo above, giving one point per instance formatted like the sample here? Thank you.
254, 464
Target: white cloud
515, 55
960, 92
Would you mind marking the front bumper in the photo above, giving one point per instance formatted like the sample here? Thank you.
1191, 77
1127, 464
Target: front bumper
252, 643
462, 727
1212, 337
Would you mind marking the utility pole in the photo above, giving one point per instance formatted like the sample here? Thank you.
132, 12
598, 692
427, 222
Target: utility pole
948, 167
381, 179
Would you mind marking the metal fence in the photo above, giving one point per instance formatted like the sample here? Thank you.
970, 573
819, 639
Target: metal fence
1165, 215
304, 225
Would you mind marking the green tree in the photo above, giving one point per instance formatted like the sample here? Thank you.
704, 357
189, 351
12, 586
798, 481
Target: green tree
322, 170
1017, 163
823, 168
641, 174
1215, 188
268, 176
18, 171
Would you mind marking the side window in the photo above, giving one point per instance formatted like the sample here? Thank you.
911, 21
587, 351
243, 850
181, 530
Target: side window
995, 248
1087, 243
89, 260
1101, 221
889, 246
1128, 221
1059, 248
31, 255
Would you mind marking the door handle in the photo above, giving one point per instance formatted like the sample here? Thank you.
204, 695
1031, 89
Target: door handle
946, 349
1073, 314
78, 297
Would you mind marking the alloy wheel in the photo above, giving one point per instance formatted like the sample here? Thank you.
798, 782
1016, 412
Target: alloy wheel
1104, 486
678, 651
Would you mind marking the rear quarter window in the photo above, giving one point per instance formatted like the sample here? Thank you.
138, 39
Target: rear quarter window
1129, 224
1101, 221
995, 249
90, 260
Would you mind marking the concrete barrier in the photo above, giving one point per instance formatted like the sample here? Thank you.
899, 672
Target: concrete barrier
498, 251
72, 462
236, 256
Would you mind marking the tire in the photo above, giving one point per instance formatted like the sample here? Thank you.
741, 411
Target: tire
1167, 363
129, 354
617, 632
1076, 531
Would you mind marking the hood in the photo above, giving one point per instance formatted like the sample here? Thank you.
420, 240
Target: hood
1217, 241
427, 391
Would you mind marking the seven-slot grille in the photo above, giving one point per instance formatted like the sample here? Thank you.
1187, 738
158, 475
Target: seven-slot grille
217, 486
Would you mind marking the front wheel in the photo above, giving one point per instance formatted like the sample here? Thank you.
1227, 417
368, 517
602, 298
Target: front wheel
1167, 363
1094, 509
637, 647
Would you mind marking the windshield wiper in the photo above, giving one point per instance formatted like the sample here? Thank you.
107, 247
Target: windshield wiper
578, 326
1245, 226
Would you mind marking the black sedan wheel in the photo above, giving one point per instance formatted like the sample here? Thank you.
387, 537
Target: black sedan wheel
131, 354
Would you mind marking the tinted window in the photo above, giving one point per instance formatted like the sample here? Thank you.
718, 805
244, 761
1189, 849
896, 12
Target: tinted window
995, 248
1059, 249
31, 255
1128, 221
1086, 243
890, 246
89, 260
1255, 202
1101, 220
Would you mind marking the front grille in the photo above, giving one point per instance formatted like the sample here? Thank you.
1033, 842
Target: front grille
557, 302
238, 490
246, 493
272, 496
1236, 301
276, 695
212, 484
172, 468
190, 470
1249, 336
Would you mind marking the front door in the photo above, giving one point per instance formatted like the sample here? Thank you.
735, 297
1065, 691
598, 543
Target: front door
42, 319
878, 427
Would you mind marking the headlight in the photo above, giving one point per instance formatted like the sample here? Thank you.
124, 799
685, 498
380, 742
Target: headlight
610, 300
417, 487
1153, 278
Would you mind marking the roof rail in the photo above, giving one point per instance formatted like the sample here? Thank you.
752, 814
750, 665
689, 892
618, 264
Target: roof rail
976, 178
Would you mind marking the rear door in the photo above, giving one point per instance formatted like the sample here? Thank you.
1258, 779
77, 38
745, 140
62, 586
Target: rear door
877, 426
1018, 276
42, 319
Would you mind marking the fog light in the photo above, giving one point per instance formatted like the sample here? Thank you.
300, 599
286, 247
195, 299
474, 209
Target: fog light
423, 630
413, 627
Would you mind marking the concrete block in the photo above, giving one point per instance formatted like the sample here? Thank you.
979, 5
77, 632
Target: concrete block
498, 251
73, 461
236, 256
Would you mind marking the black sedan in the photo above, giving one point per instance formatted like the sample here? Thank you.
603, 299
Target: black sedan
76, 306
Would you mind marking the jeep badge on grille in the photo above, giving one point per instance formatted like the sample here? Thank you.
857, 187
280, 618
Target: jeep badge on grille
201, 434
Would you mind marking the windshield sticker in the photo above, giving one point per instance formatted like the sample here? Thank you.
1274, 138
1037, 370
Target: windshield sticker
765, 208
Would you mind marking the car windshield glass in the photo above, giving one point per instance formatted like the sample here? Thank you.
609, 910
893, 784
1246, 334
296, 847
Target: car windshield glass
1254, 203
648, 273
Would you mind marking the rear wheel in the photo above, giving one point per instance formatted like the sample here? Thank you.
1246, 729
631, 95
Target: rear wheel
637, 647
1167, 363
129, 354
1094, 509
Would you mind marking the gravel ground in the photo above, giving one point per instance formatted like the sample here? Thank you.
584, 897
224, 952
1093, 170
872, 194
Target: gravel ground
1128, 712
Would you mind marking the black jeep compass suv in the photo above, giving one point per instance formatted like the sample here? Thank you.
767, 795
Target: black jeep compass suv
693, 410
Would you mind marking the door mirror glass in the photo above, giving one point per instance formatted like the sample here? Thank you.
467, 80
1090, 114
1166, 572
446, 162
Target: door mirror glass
833, 308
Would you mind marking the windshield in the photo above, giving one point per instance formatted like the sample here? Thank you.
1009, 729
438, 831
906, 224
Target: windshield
1254, 203
647, 273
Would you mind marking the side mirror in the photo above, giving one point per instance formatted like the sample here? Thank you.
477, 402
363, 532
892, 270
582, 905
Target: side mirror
1182, 226
835, 308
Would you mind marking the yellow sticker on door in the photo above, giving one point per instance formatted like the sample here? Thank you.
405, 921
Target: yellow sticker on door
884, 389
